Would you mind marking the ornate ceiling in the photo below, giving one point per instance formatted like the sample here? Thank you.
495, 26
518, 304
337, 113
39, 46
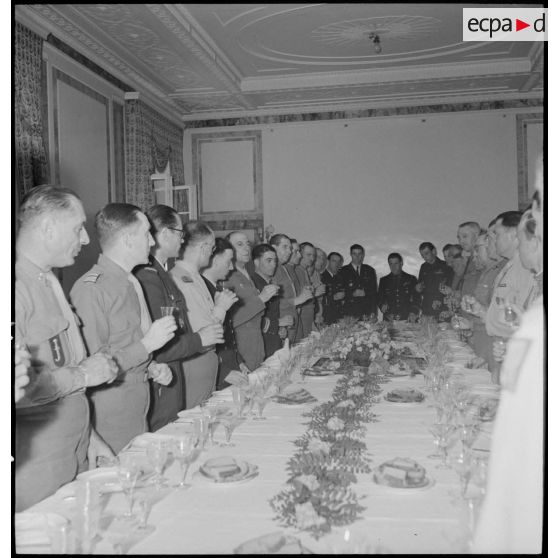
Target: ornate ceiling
204, 61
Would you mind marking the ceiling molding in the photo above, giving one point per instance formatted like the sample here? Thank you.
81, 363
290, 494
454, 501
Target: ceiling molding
202, 61
410, 107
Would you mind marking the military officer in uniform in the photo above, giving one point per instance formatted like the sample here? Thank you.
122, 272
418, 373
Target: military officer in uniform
333, 298
161, 292
265, 262
359, 283
200, 371
111, 305
52, 429
220, 267
284, 277
433, 274
248, 312
397, 297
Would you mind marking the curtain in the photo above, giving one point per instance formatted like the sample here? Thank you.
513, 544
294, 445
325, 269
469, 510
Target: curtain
30, 150
151, 142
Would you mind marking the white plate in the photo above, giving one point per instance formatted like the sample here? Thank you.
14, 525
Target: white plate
406, 490
249, 472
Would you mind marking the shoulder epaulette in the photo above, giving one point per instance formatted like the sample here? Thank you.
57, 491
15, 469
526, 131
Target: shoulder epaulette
91, 277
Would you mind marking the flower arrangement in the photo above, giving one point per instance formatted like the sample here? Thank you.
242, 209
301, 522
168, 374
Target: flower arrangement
320, 490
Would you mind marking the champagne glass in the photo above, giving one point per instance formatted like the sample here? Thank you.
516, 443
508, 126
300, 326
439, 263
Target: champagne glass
128, 474
230, 421
158, 454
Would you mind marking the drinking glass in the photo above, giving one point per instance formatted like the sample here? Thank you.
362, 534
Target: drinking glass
230, 421
158, 454
468, 434
167, 311
443, 438
186, 450
128, 473
463, 466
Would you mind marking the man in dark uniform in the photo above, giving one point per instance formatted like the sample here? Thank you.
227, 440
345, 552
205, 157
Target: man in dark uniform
397, 297
360, 285
333, 298
265, 262
220, 267
161, 291
433, 274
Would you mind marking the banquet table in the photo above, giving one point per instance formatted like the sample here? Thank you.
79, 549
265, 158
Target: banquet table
215, 518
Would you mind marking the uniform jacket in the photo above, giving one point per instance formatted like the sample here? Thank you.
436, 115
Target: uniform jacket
398, 292
433, 276
108, 307
159, 290
332, 308
246, 317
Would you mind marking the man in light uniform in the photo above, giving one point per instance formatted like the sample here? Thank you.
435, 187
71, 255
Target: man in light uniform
115, 317
200, 372
53, 435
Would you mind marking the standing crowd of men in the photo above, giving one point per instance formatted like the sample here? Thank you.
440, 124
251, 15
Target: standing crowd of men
169, 310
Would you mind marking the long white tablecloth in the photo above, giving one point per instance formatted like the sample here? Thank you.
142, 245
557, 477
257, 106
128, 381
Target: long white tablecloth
211, 518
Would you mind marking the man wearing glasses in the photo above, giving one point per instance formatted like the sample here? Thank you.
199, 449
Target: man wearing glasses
162, 294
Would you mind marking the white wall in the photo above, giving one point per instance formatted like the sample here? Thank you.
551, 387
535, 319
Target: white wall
386, 183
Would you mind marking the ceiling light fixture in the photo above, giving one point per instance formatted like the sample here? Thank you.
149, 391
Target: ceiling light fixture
375, 38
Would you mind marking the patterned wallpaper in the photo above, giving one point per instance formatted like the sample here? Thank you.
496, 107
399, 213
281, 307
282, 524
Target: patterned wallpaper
30, 150
151, 140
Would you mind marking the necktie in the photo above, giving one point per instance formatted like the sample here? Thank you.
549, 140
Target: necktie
145, 318
358, 270
74, 336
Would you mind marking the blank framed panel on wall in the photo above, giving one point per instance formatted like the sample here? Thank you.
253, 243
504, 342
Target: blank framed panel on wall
227, 168
82, 157
530, 140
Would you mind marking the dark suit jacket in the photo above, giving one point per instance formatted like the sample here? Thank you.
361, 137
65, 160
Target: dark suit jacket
229, 357
350, 281
333, 309
159, 290
270, 321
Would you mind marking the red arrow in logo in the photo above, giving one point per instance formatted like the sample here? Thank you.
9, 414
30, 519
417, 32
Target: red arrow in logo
519, 25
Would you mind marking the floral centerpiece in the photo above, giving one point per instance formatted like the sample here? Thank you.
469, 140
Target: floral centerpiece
320, 491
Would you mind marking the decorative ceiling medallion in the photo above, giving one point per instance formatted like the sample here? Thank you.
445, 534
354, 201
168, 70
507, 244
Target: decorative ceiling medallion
400, 28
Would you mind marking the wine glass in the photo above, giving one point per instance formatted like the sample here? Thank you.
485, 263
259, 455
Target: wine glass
463, 466
230, 421
128, 473
157, 453
186, 450
443, 438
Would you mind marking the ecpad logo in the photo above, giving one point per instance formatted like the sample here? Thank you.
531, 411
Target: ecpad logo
504, 24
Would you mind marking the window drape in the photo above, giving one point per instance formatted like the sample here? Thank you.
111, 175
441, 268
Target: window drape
151, 141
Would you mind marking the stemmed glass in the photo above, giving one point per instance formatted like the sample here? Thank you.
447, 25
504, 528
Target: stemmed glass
230, 421
186, 450
158, 455
468, 433
129, 471
443, 438
463, 466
